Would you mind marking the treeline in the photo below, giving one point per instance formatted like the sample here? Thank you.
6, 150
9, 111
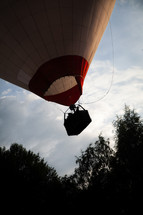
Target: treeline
105, 181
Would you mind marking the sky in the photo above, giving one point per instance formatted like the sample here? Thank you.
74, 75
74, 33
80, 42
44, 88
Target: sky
115, 78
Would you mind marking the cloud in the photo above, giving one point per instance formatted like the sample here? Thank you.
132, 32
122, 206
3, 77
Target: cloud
126, 89
5, 92
131, 2
123, 1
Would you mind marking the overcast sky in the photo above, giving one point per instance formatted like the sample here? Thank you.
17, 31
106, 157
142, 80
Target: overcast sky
38, 125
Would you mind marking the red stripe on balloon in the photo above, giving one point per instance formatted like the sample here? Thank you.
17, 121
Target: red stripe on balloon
54, 69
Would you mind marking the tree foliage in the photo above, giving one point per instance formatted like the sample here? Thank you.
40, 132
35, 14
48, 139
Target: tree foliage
94, 161
26, 181
129, 136
127, 172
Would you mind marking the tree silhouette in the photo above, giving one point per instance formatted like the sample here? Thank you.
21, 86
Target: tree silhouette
104, 181
90, 175
112, 182
28, 184
93, 162
127, 172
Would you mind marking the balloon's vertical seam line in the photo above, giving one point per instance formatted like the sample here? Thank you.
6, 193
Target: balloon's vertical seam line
6, 44
99, 29
49, 24
73, 72
19, 44
106, 16
61, 26
91, 18
91, 6
5, 63
9, 60
38, 31
79, 26
7, 57
101, 32
21, 24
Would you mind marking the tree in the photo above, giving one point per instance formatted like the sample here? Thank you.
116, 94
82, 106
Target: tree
111, 182
90, 175
129, 137
93, 162
127, 171
28, 184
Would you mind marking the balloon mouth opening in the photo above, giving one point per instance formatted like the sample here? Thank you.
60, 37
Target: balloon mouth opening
61, 79
61, 85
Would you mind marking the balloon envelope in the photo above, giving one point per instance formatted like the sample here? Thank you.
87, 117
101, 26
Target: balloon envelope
46, 46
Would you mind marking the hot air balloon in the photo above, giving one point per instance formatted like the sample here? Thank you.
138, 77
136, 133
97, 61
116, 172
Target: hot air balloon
46, 46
